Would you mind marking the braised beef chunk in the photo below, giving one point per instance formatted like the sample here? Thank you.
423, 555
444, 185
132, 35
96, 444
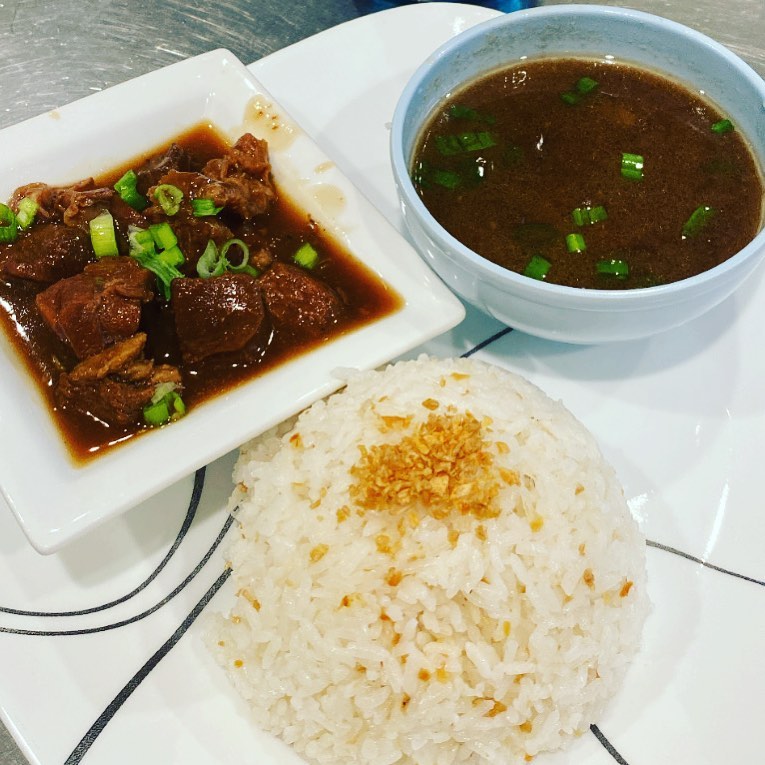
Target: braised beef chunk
194, 234
99, 306
65, 204
115, 384
239, 181
299, 303
175, 158
47, 253
217, 315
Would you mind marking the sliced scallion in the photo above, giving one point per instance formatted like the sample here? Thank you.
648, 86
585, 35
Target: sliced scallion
211, 263
575, 243
26, 213
587, 216
446, 178
8, 226
632, 166
204, 207
449, 145
306, 256
164, 407
700, 217
243, 267
162, 264
613, 267
102, 235
722, 126
537, 267
460, 111
126, 188
163, 235
168, 197
586, 85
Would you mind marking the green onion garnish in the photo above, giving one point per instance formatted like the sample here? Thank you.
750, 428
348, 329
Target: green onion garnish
470, 141
632, 166
306, 256
613, 267
26, 212
8, 225
586, 216
583, 86
102, 235
161, 264
211, 263
168, 198
163, 235
459, 111
166, 405
446, 178
203, 207
244, 266
126, 188
723, 126
586, 85
537, 267
699, 218
575, 243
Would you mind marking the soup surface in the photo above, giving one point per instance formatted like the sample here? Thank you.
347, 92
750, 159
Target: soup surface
110, 343
590, 174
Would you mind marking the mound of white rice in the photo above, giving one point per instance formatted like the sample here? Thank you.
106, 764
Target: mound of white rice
434, 566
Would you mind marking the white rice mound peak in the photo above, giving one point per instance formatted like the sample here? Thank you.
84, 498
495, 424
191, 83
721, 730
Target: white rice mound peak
433, 566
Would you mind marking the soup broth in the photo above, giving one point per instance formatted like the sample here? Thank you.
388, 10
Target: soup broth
589, 174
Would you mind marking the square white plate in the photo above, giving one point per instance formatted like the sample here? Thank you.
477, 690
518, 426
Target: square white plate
55, 500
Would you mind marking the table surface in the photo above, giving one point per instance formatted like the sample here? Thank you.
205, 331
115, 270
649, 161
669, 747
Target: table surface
54, 53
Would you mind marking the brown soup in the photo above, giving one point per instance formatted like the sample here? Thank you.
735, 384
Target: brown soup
589, 174
358, 297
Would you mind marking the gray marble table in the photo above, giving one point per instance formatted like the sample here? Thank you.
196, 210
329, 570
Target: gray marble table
52, 53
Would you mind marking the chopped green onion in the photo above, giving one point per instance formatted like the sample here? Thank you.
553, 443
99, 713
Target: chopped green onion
163, 235
168, 198
613, 267
586, 216
632, 166
242, 268
537, 267
203, 207
211, 263
306, 256
166, 405
126, 188
459, 111
26, 212
161, 264
172, 256
102, 235
575, 243
8, 226
586, 85
699, 218
570, 98
723, 126
471, 141
446, 178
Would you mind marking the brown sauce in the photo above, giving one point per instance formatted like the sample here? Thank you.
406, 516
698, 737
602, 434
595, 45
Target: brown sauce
513, 200
365, 297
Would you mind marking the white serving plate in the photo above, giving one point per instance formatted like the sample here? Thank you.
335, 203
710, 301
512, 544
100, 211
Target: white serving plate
681, 417
97, 133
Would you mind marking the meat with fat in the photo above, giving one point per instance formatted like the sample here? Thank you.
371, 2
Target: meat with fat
217, 315
98, 307
115, 384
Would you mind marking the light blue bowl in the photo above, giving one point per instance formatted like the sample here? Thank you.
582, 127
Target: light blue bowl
547, 310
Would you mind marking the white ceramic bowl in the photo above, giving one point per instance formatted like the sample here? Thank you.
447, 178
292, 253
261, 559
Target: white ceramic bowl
548, 310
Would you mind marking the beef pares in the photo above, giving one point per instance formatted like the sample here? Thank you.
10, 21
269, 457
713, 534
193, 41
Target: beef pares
239, 181
65, 204
217, 315
298, 303
115, 384
99, 306
151, 171
46, 253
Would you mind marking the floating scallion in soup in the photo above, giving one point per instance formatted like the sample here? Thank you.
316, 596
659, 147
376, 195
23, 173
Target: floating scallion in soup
590, 174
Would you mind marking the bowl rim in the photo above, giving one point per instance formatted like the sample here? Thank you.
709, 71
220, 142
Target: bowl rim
548, 290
